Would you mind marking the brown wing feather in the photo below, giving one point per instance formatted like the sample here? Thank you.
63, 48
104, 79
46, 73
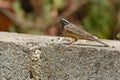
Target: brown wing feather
78, 31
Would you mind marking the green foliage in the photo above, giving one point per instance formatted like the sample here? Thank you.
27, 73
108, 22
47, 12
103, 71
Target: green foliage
118, 36
17, 8
48, 6
99, 18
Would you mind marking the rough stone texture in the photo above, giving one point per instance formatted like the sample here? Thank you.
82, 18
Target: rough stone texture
33, 57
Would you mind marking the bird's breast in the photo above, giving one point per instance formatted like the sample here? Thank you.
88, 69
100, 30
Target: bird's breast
70, 34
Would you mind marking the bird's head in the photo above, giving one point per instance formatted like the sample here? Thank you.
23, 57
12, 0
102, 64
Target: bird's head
64, 22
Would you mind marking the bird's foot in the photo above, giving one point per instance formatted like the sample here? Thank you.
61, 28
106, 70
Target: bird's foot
73, 42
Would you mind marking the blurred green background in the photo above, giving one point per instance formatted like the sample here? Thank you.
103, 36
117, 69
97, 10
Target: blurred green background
98, 17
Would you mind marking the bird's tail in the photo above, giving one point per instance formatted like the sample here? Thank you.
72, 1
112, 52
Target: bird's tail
97, 40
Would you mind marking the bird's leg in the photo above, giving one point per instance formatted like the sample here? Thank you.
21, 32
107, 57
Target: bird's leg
73, 42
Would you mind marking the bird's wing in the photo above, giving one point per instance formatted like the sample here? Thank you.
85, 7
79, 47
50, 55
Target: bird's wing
78, 31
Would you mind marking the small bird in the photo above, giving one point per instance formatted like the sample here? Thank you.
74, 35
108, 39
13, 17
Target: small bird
73, 31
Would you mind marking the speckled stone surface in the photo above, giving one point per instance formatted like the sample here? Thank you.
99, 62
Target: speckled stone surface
33, 57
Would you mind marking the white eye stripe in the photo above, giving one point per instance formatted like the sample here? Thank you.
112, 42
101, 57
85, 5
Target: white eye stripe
65, 20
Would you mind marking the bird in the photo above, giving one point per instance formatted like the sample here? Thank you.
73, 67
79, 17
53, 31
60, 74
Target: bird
73, 31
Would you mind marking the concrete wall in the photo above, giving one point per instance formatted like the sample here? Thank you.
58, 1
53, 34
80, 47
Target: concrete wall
33, 57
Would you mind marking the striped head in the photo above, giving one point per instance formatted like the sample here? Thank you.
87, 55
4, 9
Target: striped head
64, 22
